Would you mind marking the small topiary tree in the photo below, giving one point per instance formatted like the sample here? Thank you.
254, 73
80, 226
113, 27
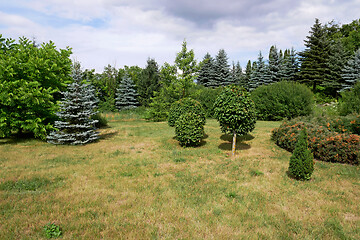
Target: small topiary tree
189, 129
301, 164
185, 105
235, 112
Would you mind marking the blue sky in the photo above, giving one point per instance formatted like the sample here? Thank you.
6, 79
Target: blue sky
127, 32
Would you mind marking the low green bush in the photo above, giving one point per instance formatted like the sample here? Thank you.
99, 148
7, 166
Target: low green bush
301, 164
282, 100
102, 122
350, 101
326, 145
185, 105
189, 129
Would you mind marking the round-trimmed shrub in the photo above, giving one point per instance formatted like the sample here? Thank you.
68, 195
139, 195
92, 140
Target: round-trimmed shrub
185, 105
282, 100
189, 129
301, 164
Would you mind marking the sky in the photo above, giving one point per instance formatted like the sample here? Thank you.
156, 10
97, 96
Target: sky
128, 32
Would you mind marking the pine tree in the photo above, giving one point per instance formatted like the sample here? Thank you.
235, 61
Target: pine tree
207, 72
260, 75
274, 64
126, 94
247, 76
301, 164
222, 69
351, 71
289, 66
314, 59
149, 82
237, 74
76, 109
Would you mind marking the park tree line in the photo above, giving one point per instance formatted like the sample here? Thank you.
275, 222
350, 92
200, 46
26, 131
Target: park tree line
33, 78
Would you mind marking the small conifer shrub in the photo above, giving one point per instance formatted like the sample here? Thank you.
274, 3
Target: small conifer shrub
189, 129
185, 105
302, 161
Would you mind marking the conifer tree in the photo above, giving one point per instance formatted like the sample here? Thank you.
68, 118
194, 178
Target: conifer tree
207, 72
260, 75
314, 59
301, 164
351, 71
247, 76
237, 74
274, 64
149, 82
76, 109
222, 69
289, 66
126, 94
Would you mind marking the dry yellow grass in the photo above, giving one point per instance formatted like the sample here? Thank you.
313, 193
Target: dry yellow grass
138, 183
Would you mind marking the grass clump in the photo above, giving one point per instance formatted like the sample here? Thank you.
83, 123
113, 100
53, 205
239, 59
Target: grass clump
32, 184
52, 230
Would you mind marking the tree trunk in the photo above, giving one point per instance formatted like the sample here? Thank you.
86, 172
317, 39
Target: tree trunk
234, 144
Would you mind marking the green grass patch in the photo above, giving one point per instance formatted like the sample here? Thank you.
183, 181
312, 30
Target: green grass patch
32, 184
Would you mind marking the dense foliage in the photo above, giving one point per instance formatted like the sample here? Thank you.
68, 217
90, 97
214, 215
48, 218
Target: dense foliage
301, 164
30, 80
77, 107
185, 105
326, 145
350, 101
189, 129
235, 112
206, 97
282, 100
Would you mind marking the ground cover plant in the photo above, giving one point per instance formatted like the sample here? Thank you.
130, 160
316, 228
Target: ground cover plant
137, 182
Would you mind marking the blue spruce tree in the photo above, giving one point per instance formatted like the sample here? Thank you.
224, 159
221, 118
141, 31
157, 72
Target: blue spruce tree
126, 95
351, 72
222, 69
289, 66
75, 126
260, 74
274, 64
207, 72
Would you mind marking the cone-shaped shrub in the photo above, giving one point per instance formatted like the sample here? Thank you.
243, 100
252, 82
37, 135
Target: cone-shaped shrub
189, 129
185, 105
302, 161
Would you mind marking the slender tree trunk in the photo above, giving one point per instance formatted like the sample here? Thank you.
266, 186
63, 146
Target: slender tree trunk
234, 144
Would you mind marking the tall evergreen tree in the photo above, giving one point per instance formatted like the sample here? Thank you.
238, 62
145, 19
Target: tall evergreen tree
351, 71
314, 59
207, 72
260, 75
274, 64
237, 74
76, 109
149, 82
289, 66
222, 68
126, 94
247, 76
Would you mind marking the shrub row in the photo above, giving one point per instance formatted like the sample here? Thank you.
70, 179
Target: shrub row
326, 145
282, 100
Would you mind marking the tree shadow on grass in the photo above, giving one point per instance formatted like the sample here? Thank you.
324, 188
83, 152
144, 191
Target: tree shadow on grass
18, 138
239, 144
105, 136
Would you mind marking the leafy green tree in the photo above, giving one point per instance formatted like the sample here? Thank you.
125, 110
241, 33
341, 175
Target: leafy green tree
76, 127
31, 79
207, 72
149, 82
235, 112
222, 69
186, 64
126, 94
314, 68
301, 164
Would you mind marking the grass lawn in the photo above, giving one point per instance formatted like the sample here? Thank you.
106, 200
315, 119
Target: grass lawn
138, 183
